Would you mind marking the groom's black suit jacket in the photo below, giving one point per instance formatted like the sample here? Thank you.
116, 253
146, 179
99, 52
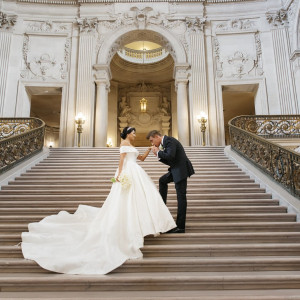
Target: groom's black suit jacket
174, 156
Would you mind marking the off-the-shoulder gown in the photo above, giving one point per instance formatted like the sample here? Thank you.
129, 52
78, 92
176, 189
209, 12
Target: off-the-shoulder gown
98, 240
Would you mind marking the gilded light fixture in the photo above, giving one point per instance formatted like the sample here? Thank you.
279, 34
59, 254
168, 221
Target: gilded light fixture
79, 120
202, 119
143, 102
109, 142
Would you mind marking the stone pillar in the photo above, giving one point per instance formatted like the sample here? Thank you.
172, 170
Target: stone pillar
103, 77
6, 25
181, 81
281, 46
198, 82
296, 66
85, 102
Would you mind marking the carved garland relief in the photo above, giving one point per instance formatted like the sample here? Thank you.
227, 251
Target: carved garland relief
241, 63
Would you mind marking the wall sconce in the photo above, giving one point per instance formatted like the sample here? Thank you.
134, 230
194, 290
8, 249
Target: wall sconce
109, 142
202, 119
79, 120
143, 102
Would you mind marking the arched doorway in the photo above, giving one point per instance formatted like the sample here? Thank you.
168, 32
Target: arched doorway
143, 82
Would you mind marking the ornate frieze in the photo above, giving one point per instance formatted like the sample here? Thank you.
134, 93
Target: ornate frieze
236, 25
48, 27
7, 22
278, 18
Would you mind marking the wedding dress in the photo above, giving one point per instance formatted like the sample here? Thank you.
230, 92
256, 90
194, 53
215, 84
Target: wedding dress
98, 240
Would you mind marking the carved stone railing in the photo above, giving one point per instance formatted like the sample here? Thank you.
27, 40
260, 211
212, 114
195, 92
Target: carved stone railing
143, 57
248, 136
20, 139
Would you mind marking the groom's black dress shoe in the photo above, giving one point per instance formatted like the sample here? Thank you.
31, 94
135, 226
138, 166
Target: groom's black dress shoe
176, 230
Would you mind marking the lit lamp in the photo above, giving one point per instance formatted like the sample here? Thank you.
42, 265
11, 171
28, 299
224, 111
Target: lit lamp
143, 105
79, 120
50, 144
202, 119
109, 142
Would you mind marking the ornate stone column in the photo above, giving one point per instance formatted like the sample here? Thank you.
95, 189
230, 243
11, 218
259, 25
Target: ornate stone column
281, 46
85, 83
181, 80
6, 25
296, 66
198, 84
103, 77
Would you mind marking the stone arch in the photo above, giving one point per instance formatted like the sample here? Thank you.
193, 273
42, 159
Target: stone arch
119, 37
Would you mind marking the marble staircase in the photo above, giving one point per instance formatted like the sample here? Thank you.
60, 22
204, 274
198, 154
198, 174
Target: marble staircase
239, 242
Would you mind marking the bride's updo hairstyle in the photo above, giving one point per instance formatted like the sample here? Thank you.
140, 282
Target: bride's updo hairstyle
126, 130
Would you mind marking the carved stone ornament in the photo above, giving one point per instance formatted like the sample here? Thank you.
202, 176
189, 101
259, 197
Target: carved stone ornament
239, 64
278, 18
87, 25
236, 25
7, 22
48, 26
44, 66
195, 24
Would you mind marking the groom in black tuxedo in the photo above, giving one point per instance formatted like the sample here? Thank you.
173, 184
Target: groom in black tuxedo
170, 152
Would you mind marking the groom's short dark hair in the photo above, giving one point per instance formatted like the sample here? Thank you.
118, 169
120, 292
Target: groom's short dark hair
153, 133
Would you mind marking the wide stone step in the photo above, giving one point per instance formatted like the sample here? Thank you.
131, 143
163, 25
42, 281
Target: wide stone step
194, 250
153, 281
177, 264
192, 186
238, 217
86, 191
149, 168
171, 196
199, 238
62, 180
171, 203
198, 227
108, 173
96, 176
190, 210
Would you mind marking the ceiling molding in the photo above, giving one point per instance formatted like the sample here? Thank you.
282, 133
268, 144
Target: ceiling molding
78, 2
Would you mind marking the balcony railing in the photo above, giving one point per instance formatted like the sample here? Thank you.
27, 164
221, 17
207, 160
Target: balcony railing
20, 139
143, 57
248, 136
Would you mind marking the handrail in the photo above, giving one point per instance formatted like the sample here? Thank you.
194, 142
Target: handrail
248, 136
20, 139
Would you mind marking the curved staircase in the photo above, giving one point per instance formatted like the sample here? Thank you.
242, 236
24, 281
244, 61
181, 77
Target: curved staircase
239, 242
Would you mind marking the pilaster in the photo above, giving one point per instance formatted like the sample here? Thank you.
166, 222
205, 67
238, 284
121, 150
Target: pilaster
103, 77
285, 78
181, 81
199, 100
85, 84
6, 26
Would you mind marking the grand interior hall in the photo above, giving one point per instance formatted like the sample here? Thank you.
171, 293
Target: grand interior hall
220, 76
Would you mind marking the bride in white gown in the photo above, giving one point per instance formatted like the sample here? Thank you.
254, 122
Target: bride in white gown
98, 240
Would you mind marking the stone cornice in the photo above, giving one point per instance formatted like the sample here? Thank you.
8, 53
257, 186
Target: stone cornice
78, 2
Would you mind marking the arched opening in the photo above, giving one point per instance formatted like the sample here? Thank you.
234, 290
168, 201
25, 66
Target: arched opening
142, 70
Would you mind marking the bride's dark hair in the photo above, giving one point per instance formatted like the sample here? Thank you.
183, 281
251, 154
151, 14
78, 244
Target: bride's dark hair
126, 130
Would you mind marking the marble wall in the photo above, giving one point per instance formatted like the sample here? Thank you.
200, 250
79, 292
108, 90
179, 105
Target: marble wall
214, 44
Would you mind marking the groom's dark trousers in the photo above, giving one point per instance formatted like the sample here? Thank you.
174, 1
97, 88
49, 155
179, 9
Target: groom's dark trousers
181, 196
174, 156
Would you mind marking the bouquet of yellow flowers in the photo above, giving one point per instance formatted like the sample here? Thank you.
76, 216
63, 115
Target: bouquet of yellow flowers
124, 179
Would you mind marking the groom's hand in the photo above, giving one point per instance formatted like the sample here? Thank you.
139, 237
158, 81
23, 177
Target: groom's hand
155, 150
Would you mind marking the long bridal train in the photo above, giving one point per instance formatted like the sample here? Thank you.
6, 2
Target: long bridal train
98, 240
